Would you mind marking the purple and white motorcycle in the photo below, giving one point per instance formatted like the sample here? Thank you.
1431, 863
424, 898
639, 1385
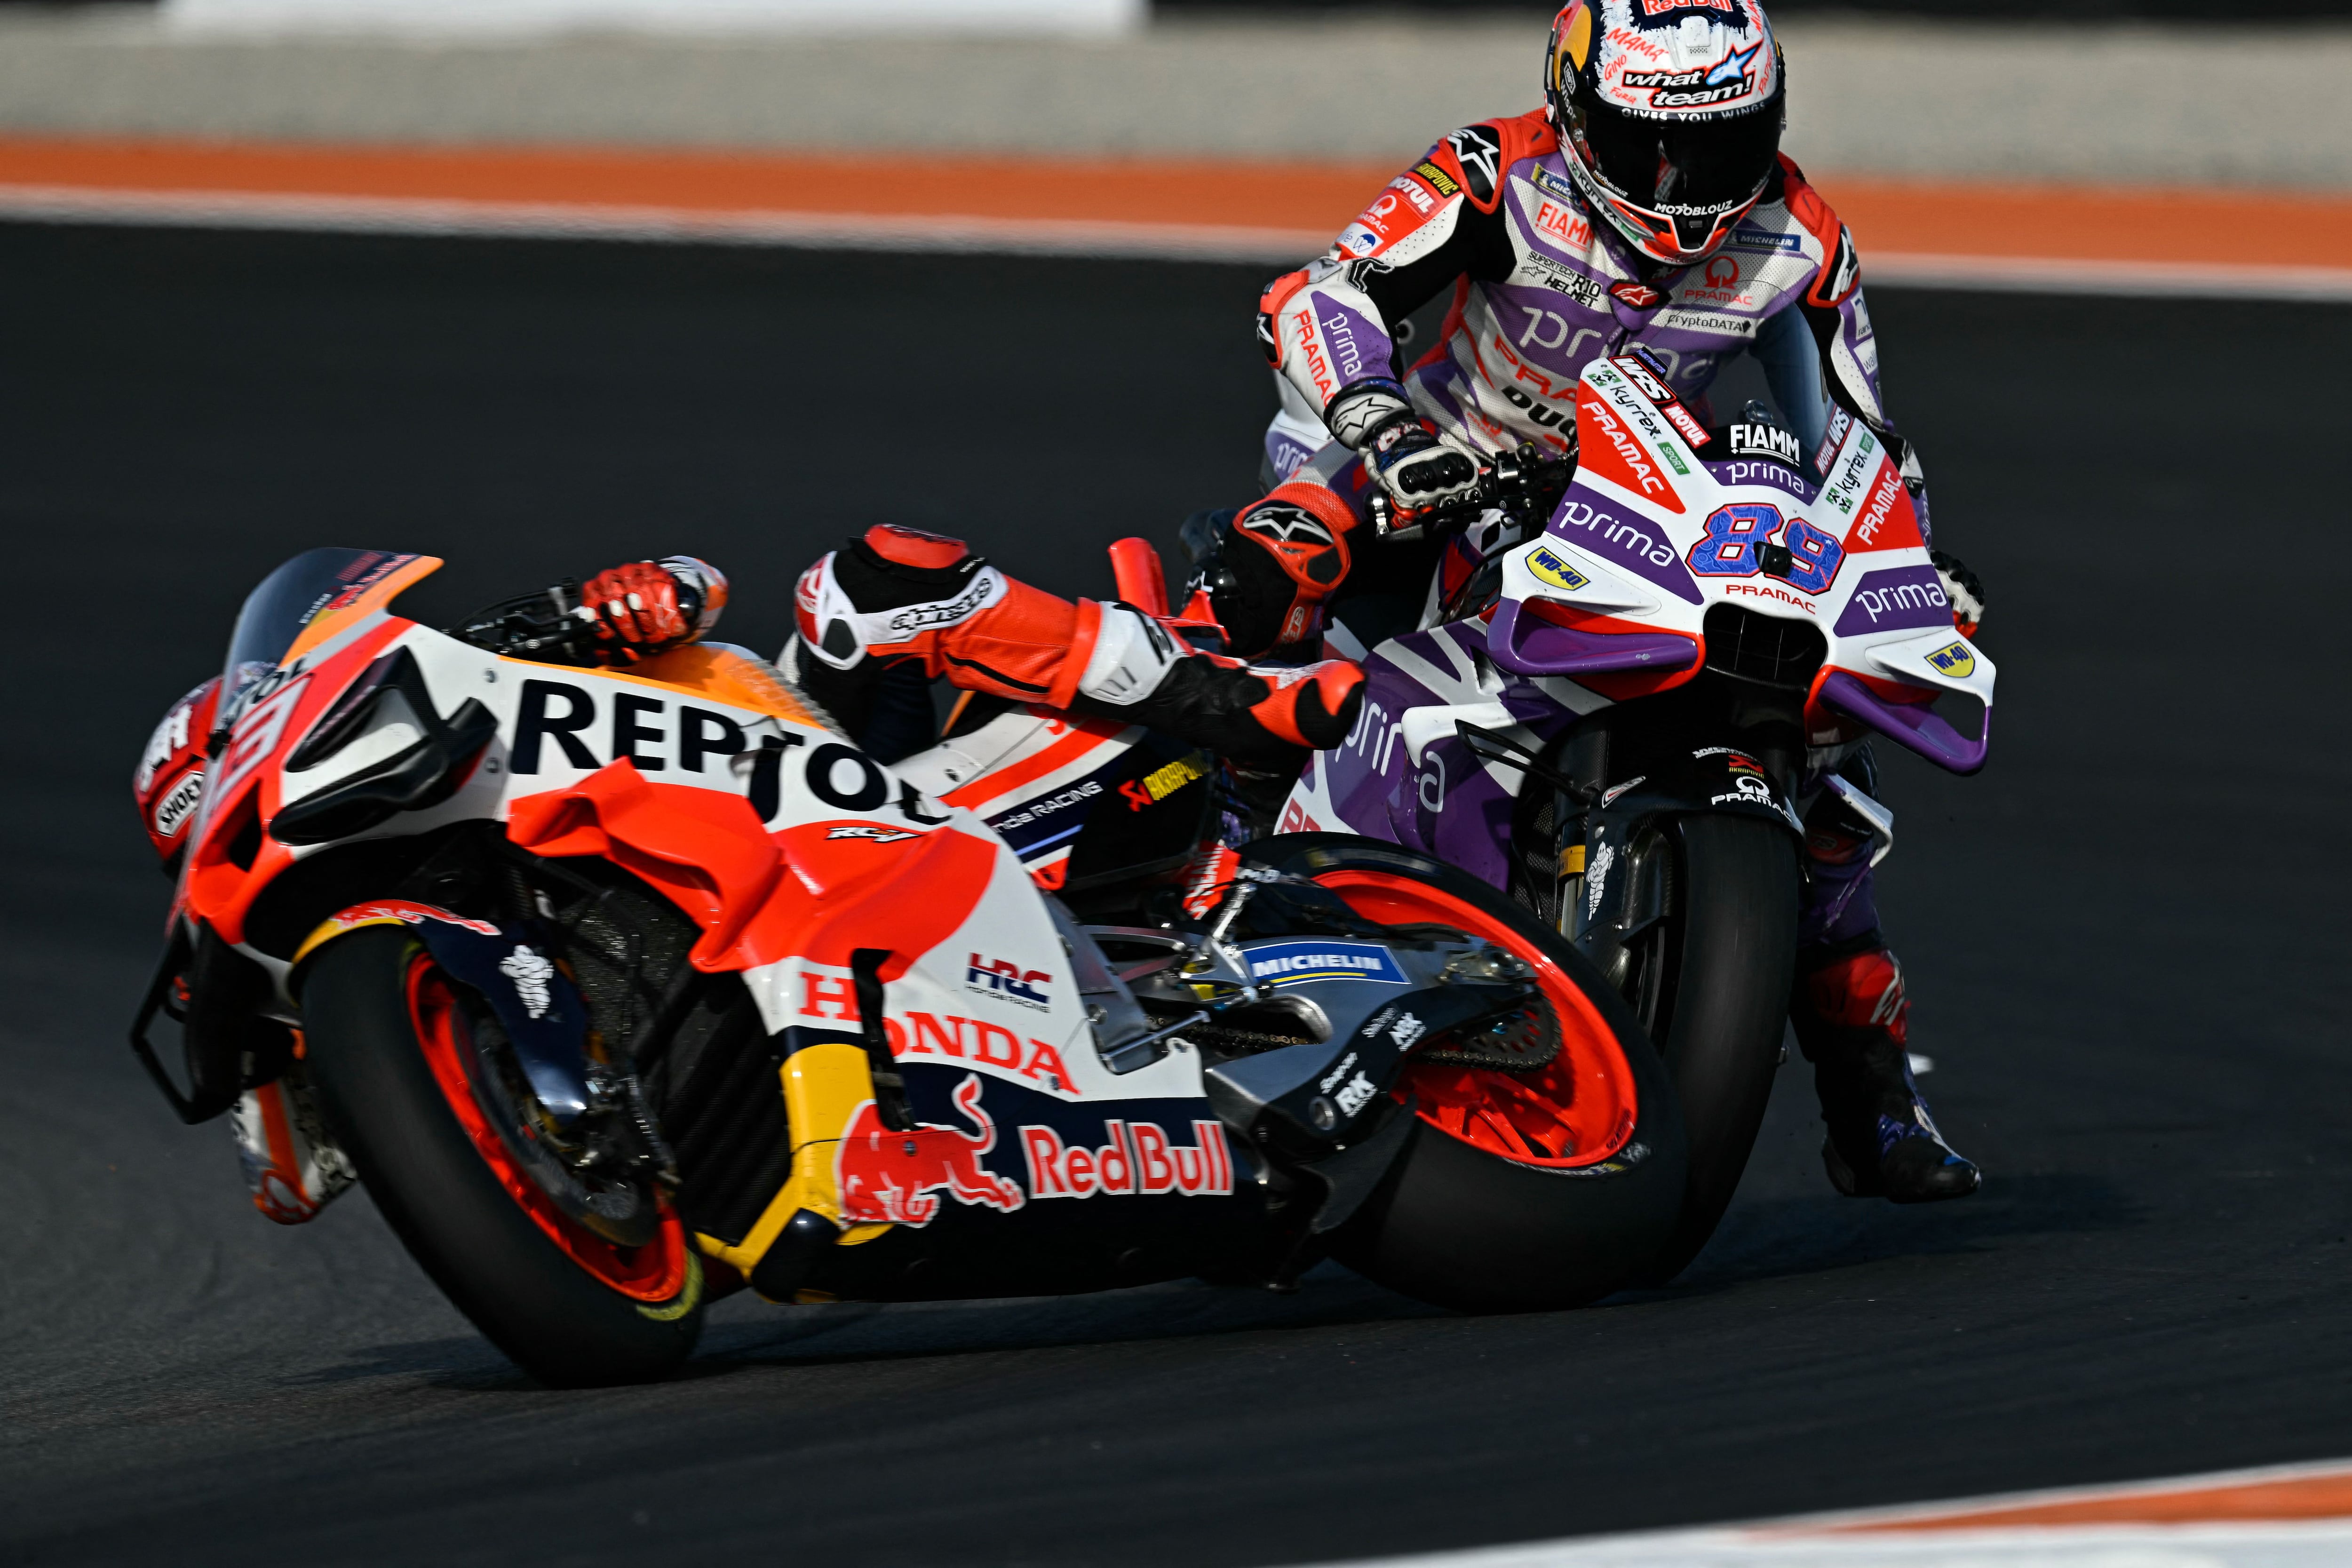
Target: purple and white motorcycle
1614, 721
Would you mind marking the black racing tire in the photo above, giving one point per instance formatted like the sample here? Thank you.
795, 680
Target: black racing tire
1460, 1225
545, 1310
1728, 960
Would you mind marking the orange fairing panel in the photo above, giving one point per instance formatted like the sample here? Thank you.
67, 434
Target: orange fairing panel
761, 899
724, 673
376, 597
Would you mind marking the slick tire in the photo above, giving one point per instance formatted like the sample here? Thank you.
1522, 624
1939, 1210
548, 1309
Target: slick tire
1460, 1225
539, 1303
1734, 948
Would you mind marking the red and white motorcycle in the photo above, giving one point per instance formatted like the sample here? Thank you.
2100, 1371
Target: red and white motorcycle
611, 984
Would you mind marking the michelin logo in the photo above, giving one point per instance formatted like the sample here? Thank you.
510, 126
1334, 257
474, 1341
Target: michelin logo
1297, 962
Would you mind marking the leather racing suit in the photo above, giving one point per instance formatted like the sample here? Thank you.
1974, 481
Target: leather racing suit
1540, 289
896, 608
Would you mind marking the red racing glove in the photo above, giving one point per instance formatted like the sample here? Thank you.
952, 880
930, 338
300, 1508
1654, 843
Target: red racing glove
636, 612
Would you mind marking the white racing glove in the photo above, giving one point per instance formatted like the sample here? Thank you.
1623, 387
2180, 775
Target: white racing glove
1417, 467
1962, 588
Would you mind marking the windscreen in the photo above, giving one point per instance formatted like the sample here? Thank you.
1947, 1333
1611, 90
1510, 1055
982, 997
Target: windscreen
288, 599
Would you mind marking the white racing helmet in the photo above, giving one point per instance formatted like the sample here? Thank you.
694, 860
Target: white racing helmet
1669, 114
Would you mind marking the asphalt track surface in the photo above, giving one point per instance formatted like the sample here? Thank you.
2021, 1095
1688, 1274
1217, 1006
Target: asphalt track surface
2126, 939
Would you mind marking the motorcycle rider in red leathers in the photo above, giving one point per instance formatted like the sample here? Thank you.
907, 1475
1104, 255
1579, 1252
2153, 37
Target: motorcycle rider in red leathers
896, 608
1646, 204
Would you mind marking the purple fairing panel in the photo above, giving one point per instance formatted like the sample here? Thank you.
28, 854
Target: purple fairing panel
1527, 645
1450, 805
1359, 346
1897, 599
1591, 522
1910, 725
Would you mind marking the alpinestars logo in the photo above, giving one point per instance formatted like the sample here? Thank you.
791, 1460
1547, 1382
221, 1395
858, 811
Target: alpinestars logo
1480, 151
984, 591
1843, 271
1289, 525
1732, 76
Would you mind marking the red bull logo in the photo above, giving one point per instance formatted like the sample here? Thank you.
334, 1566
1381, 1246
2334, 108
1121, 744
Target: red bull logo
891, 1176
1137, 1160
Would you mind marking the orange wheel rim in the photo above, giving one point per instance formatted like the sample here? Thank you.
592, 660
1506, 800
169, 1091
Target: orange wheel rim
1576, 1111
656, 1271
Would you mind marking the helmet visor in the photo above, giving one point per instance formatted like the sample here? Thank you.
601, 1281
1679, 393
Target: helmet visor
1682, 168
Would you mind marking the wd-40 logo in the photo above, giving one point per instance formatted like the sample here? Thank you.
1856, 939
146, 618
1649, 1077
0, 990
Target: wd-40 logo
1002, 977
1955, 659
1297, 962
1550, 567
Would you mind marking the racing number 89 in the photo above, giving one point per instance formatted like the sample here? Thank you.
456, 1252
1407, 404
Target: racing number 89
1733, 533
1733, 547
1815, 555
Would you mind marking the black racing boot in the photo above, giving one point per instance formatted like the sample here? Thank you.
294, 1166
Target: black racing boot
1853, 1023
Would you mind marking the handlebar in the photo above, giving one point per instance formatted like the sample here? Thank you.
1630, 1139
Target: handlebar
1524, 483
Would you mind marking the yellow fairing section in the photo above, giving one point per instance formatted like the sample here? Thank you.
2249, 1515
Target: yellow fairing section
823, 1086
333, 927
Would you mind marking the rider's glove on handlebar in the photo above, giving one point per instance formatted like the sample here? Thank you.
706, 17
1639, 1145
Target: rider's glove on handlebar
648, 607
1414, 464
1964, 590
1138, 673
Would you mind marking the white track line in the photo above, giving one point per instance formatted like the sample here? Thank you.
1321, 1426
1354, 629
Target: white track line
1834, 1540
1032, 236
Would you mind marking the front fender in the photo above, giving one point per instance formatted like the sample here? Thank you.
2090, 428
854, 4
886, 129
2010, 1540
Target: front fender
1622, 893
508, 966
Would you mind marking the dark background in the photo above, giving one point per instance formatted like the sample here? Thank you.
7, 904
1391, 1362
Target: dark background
2125, 938
2047, 10
1992, 10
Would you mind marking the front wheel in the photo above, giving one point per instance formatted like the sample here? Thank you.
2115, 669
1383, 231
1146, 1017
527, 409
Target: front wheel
1709, 981
1518, 1190
406, 1063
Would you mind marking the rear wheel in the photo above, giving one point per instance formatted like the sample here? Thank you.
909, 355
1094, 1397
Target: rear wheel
1709, 982
1518, 1190
581, 1282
